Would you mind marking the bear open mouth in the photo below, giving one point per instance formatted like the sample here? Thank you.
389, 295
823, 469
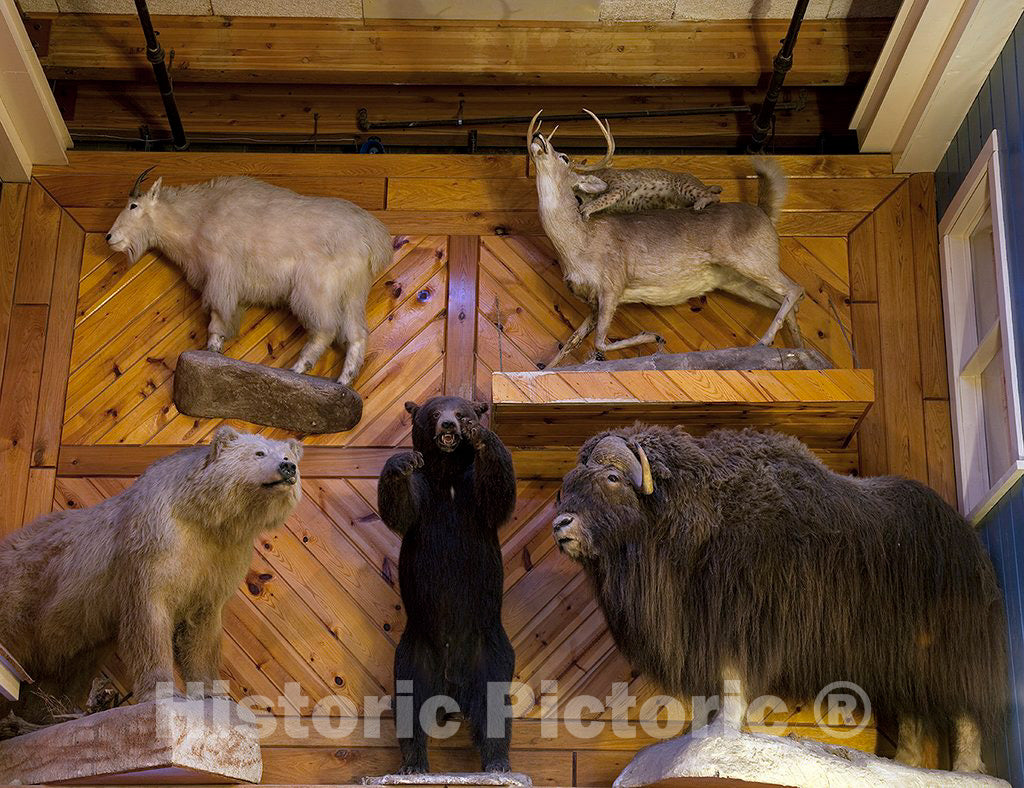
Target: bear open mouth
447, 441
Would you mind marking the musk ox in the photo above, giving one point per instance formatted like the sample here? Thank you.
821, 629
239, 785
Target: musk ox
146, 572
244, 242
447, 499
740, 555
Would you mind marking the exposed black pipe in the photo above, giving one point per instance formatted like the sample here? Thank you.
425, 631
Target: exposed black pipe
783, 63
155, 55
364, 123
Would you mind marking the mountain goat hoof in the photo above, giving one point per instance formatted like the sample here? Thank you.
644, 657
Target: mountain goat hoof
541, 365
599, 356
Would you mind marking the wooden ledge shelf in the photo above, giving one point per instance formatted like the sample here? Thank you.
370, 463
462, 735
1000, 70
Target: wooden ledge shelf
821, 407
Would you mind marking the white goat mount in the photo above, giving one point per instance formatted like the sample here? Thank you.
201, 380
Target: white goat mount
804, 763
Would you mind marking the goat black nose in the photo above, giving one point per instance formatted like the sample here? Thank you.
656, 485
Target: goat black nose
562, 521
287, 469
108, 236
448, 424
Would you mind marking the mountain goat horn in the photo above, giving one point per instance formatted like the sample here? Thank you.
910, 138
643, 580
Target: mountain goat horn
628, 458
606, 130
138, 181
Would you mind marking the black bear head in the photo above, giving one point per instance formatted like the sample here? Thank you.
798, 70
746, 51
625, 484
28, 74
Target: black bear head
438, 426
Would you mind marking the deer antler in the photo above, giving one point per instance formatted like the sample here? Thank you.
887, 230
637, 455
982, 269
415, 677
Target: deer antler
138, 181
606, 130
534, 131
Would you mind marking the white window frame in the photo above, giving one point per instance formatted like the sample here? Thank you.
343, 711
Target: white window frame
958, 222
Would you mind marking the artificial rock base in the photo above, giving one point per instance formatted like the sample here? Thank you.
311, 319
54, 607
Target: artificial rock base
517, 779
791, 761
738, 358
211, 385
174, 741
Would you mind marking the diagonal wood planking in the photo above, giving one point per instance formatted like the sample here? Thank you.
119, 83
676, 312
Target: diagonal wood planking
320, 606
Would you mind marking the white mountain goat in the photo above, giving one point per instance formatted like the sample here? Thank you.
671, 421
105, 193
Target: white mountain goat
244, 242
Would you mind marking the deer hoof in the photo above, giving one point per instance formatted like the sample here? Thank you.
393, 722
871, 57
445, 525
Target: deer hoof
599, 356
541, 365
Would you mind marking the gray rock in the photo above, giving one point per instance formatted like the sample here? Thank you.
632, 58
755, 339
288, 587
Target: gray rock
761, 758
207, 741
517, 779
740, 358
213, 386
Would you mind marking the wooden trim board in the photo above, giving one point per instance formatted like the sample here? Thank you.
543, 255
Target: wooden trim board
822, 408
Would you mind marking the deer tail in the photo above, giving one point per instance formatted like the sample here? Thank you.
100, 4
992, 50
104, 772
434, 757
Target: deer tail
772, 186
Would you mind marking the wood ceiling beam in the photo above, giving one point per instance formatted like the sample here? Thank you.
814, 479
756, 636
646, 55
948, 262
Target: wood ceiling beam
247, 50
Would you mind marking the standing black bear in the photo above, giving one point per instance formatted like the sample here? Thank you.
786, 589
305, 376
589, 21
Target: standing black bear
447, 500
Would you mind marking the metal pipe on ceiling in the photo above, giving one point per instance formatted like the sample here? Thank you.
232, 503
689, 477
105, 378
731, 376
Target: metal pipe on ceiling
155, 55
765, 119
364, 123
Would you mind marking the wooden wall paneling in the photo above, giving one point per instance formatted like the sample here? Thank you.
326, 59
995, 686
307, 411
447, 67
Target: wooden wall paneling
938, 429
60, 326
871, 435
13, 198
111, 191
19, 397
934, 382
863, 268
320, 603
38, 248
338, 51
898, 332
39, 493
460, 339
520, 194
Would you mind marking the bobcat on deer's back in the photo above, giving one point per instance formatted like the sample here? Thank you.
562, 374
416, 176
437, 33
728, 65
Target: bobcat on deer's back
643, 189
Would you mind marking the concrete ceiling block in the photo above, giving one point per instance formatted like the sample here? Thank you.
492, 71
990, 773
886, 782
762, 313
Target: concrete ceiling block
38, 6
863, 8
747, 9
637, 10
337, 9
519, 10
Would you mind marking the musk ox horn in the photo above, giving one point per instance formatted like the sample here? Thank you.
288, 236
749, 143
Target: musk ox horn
138, 181
629, 458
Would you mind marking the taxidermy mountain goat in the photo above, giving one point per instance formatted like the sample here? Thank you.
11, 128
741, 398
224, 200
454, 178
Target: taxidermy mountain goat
739, 555
662, 257
245, 242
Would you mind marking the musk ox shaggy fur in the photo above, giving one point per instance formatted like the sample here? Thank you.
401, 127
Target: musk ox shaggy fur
244, 242
740, 555
146, 572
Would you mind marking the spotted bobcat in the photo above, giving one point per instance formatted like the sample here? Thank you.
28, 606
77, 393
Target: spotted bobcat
630, 191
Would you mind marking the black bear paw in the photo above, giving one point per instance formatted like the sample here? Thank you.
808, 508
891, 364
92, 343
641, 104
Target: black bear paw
499, 765
413, 768
474, 432
407, 462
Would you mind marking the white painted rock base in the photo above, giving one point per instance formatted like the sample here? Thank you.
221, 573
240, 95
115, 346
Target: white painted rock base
453, 778
167, 741
791, 761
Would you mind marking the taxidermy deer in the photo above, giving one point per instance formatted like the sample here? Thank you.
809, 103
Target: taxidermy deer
601, 187
662, 257
244, 242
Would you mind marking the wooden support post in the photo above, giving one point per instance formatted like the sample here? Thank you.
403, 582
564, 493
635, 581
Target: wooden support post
460, 343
